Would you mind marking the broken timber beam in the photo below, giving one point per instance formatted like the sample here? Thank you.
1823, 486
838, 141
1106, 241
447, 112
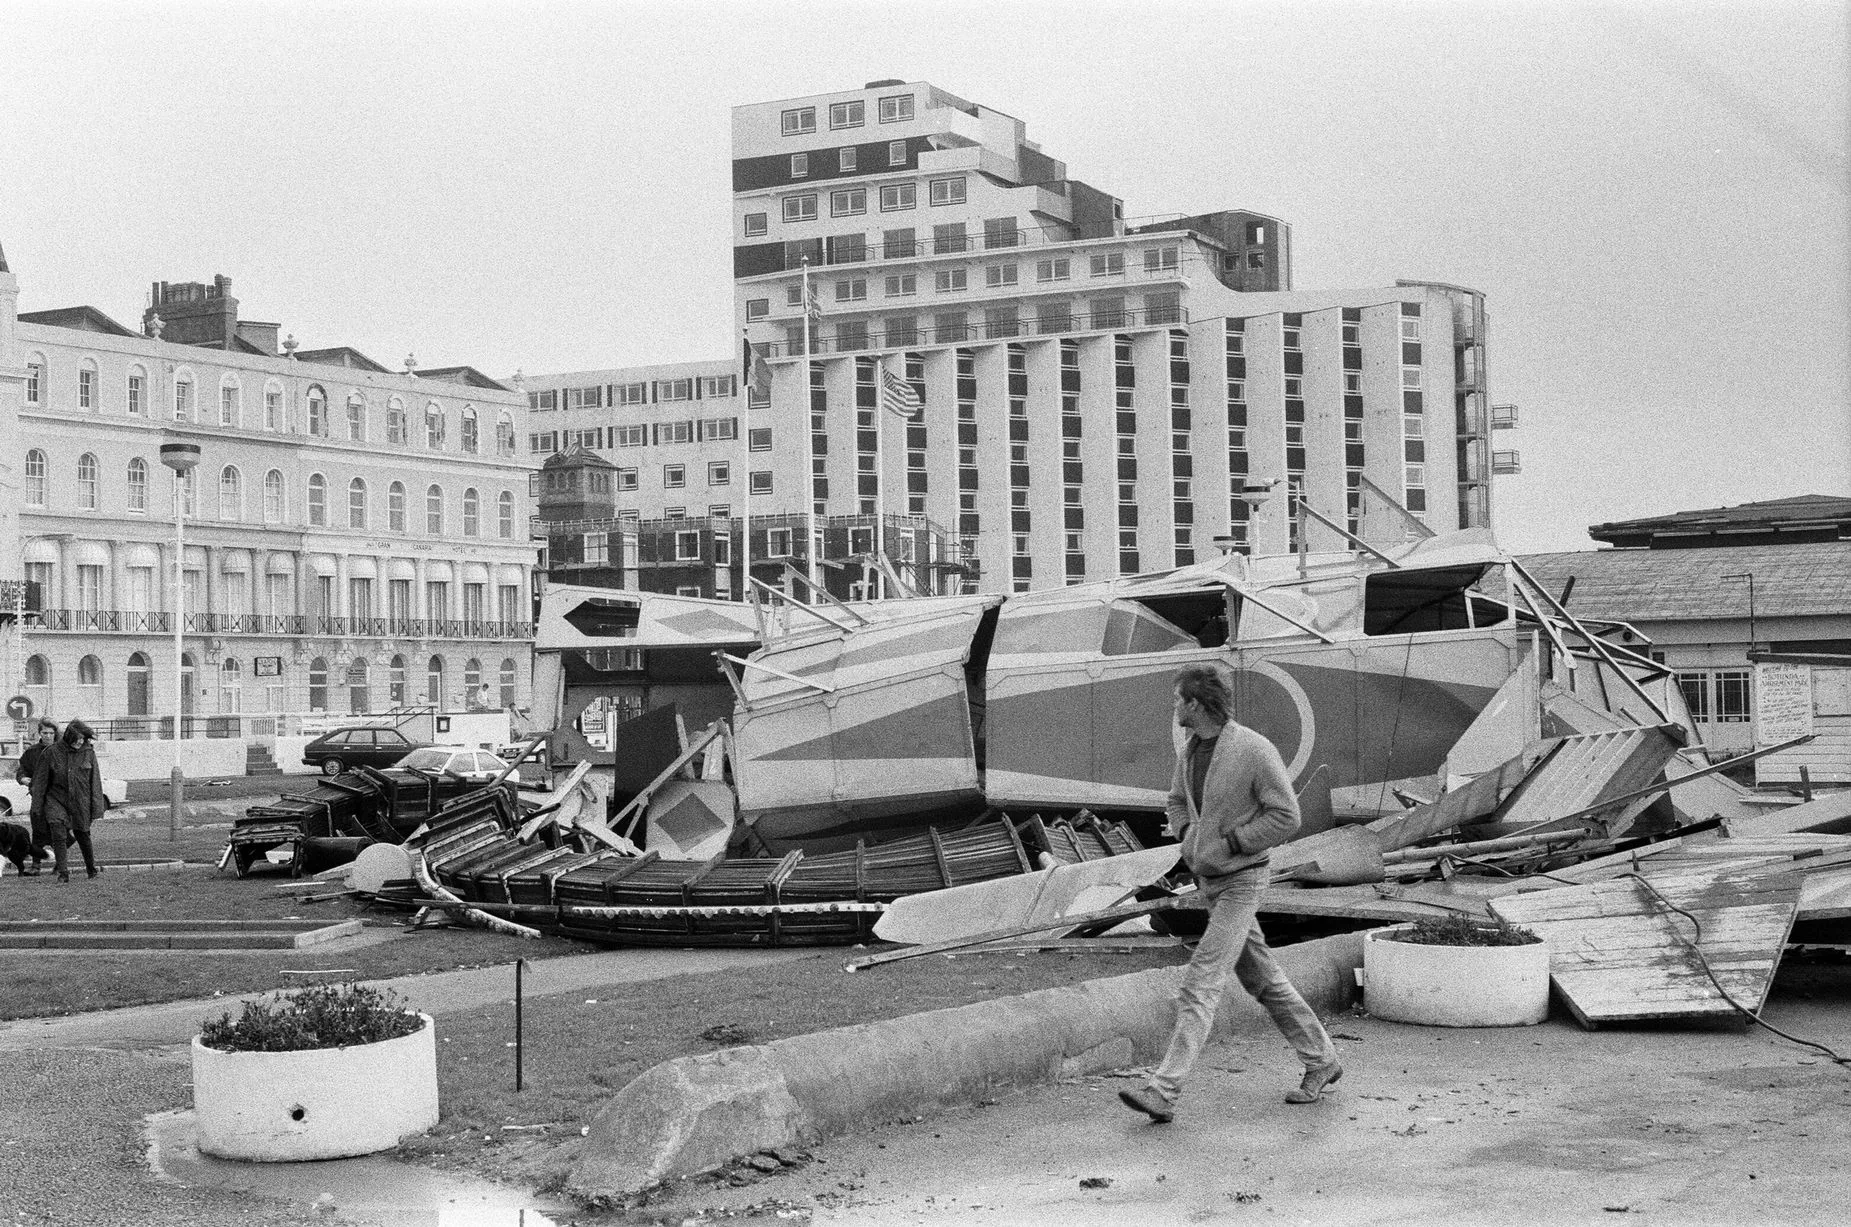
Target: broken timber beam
1077, 921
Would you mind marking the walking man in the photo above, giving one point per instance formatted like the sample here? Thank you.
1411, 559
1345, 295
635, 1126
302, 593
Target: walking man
1230, 803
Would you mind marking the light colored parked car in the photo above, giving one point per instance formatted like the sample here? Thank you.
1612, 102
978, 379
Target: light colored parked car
458, 762
16, 798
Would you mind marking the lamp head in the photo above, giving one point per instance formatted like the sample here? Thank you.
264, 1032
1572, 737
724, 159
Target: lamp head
182, 458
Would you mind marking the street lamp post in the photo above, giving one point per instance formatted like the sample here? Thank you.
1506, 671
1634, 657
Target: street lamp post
182, 458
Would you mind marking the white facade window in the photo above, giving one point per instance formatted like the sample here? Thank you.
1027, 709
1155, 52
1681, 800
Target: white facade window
231, 493
318, 500
472, 513
896, 196
719, 473
231, 406
183, 398
896, 153
472, 431
395, 507
760, 482
800, 208
758, 308
317, 412
756, 224
505, 515
847, 114
629, 436
845, 159
433, 511
86, 387
716, 387
849, 202
356, 418
1108, 264
896, 108
35, 382
1160, 260
999, 275
1410, 377
947, 191
89, 600
273, 410
1410, 329
632, 393
1052, 270
720, 428
273, 497
687, 548
433, 426
138, 393
852, 289
356, 503
676, 389
949, 280
86, 482
674, 476
902, 285
626, 479
138, 484
800, 165
777, 540
797, 121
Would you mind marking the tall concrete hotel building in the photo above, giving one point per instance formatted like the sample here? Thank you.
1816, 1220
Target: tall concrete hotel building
1102, 395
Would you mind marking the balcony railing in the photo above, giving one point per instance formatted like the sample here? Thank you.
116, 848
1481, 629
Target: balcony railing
825, 253
136, 622
1001, 330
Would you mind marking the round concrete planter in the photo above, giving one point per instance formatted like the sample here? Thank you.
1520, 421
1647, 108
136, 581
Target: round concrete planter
324, 1103
1454, 986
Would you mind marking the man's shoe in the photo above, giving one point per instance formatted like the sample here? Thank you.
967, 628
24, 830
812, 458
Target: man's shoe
1150, 1102
64, 875
94, 871
1314, 1083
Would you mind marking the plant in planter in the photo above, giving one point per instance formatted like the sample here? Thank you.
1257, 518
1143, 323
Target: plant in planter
328, 1072
1456, 971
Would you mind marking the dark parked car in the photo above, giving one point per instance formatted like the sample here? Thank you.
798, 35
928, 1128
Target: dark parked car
335, 752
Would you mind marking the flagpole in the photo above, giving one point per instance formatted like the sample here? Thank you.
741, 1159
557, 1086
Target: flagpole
745, 474
809, 373
880, 480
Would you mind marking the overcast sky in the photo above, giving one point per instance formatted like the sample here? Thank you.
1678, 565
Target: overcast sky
1653, 197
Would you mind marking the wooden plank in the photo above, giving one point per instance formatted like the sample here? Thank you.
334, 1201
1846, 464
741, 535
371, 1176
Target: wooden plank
1618, 952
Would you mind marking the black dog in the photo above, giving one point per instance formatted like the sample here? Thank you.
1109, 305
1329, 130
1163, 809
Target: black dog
16, 845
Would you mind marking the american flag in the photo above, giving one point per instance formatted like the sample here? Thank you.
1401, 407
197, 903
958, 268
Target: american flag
898, 396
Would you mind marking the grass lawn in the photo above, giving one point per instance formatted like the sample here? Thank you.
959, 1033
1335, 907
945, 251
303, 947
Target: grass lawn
42, 983
580, 1050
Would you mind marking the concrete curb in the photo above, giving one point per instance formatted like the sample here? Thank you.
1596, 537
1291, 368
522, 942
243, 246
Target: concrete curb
694, 1114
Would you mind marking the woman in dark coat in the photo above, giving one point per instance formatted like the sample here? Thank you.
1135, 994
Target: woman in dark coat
47, 732
69, 785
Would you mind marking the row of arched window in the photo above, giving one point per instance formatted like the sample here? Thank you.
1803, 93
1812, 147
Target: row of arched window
354, 688
354, 422
231, 502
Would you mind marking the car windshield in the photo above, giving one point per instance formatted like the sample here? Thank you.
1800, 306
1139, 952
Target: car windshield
426, 760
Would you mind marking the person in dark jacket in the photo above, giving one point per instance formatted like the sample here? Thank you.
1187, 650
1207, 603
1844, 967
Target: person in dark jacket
70, 786
47, 732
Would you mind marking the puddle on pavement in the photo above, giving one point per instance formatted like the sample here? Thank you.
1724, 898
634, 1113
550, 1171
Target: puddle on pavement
371, 1187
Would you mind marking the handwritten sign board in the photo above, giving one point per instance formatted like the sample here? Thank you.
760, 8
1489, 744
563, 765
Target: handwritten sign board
1783, 703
